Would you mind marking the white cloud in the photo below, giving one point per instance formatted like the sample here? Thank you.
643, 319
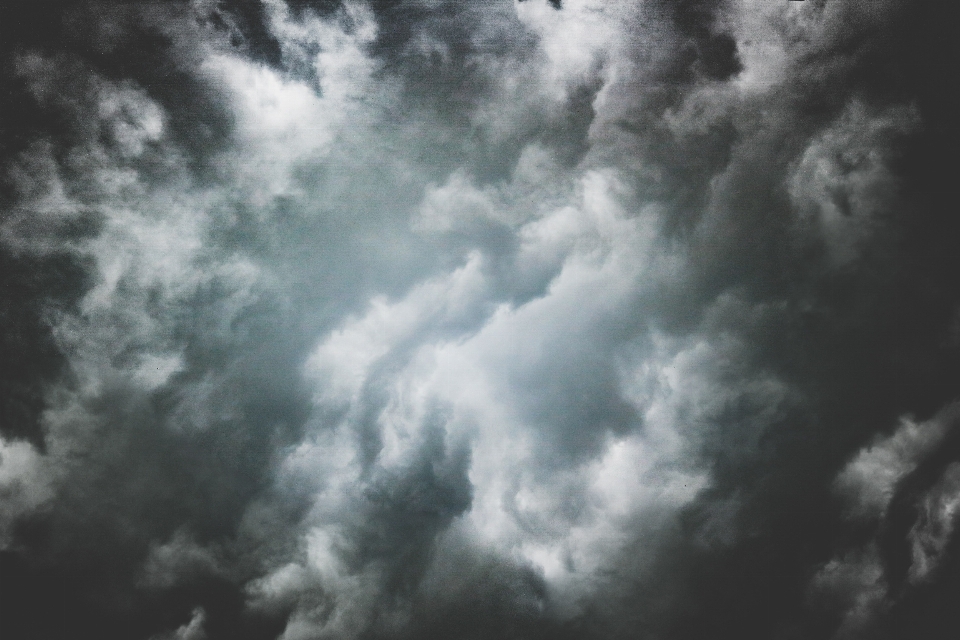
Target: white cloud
868, 481
854, 582
25, 484
569, 519
937, 520
193, 630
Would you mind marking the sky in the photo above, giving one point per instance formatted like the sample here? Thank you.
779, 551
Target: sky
479, 319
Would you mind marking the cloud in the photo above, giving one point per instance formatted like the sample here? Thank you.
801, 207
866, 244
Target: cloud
869, 480
23, 483
501, 319
193, 630
866, 584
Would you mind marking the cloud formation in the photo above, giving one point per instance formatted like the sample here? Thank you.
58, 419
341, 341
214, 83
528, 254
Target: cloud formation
423, 318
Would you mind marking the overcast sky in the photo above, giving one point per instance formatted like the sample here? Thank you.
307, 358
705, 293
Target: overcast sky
487, 320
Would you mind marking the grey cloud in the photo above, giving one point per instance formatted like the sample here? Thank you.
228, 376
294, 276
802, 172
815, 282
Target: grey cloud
864, 586
934, 528
193, 630
494, 319
870, 479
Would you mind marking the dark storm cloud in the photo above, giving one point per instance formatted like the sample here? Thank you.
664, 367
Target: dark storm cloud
858, 315
492, 319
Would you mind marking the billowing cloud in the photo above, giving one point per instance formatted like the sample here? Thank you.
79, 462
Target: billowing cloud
523, 319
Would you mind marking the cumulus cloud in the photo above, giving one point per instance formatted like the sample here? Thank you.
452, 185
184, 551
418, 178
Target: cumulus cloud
869, 480
496, 319
867, 582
